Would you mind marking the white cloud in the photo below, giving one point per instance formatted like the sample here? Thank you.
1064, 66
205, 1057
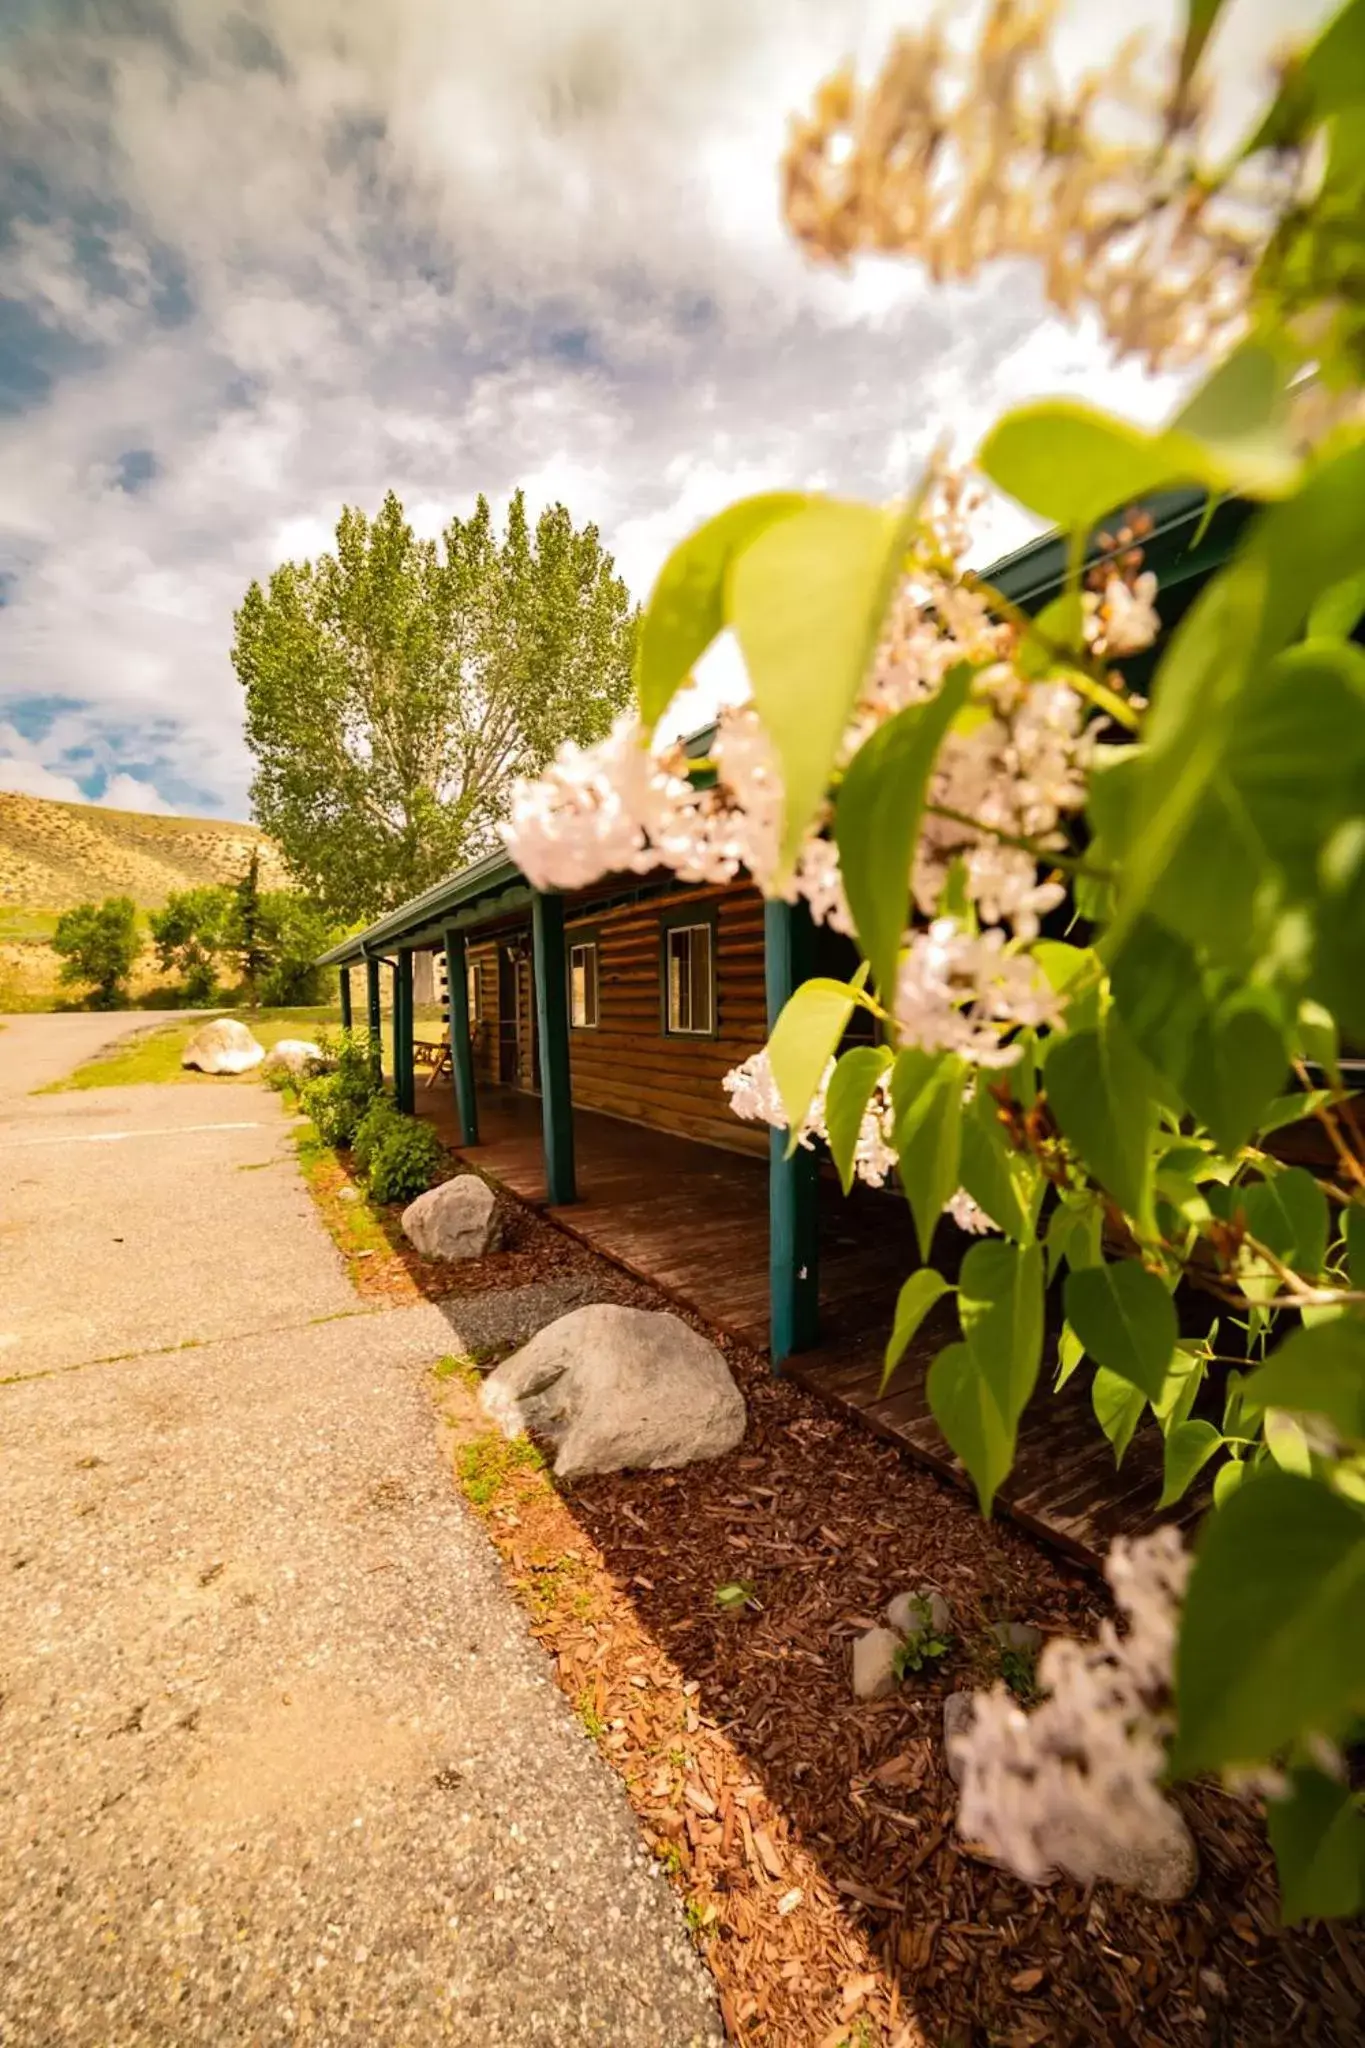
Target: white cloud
25, 767
301, 255
27, 777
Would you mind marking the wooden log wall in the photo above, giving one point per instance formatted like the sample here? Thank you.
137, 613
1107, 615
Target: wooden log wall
484, 961
628, 1064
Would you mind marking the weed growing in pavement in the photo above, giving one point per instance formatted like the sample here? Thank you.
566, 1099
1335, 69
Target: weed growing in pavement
484, 1464
544, 1585
460, 1367
585, 1706
699, 1916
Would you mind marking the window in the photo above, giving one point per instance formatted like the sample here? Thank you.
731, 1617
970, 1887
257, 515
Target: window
583, 986
687, 971
472, 986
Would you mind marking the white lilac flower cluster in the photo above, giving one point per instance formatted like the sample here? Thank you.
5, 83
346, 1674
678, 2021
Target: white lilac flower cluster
753, 1095
1075, 1785
1002, 783
958, 158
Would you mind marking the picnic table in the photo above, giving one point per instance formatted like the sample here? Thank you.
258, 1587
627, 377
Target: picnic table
433, 1053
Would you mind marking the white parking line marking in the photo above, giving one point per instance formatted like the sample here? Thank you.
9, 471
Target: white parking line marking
117, 1137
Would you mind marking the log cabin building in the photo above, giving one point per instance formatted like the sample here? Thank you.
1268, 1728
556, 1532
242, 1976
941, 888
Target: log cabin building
589, 1036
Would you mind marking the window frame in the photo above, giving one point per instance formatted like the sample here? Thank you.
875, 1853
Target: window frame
703, 919
473, 990
586, 942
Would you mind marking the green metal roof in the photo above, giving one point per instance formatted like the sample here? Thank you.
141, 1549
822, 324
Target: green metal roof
488, 876
1182, 546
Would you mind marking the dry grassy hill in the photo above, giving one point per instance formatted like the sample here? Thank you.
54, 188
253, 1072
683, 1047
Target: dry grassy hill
53, 855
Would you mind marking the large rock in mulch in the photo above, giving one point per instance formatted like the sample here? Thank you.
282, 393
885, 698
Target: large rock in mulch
296, 1056
618, 1389
223, 1046
457, 1220
874, 1664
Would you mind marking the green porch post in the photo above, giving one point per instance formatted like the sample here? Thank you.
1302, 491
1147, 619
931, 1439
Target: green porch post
552, 1017
403, 1093
793, 1184
375, 1015
345, 979
461, 1050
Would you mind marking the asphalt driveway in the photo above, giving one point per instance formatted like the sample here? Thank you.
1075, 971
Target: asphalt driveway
282, 1764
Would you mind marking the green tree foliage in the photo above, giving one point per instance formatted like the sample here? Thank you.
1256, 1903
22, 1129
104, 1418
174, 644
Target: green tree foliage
98, 944
247, 930
394, 689
190, 934
290, 933
266, 939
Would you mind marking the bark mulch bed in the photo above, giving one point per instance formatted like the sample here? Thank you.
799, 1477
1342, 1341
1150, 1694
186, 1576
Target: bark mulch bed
385, 1267
811, 1835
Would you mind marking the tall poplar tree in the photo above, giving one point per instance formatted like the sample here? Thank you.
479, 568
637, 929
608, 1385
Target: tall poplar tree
395, 688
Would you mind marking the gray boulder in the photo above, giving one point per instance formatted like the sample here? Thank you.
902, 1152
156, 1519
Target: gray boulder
223, 1046
457, 1220
921, 1613
874, 1664
296, 1056
618, 1389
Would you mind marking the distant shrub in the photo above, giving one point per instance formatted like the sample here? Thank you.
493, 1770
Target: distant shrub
98, 943
379, 1119
189, 935
405, 1161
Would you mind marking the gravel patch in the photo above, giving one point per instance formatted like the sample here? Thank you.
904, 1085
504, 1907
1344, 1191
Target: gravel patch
489, 1321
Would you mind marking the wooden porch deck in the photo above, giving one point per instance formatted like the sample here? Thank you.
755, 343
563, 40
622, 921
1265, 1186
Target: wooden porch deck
693, 1220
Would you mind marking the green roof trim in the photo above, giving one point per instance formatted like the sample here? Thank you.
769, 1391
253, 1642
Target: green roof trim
488, 876
1186, 542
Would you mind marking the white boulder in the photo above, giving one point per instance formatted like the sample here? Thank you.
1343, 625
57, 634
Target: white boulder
223, 1046
296, 1056
457, 1220
874, 1664
618, 1389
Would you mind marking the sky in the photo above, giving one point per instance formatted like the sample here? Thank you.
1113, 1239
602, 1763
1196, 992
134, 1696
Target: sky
259, 261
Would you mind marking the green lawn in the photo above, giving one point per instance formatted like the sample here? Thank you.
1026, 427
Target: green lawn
16, 924
154, 1054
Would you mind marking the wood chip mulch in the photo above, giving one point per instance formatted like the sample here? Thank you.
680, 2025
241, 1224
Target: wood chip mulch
385, 1267
811, 1835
